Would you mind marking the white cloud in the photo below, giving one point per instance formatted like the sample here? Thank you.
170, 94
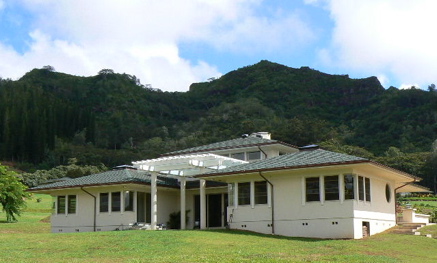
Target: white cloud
141, 37
409, 86
383, 79
391, 36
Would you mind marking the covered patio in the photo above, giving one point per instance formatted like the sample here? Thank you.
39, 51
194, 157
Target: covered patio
183, 168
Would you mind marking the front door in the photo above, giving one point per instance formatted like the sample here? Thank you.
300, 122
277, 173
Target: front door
215, 209
143, 207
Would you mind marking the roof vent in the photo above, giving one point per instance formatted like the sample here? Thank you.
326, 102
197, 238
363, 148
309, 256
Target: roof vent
309, 147
263, 135
121, 167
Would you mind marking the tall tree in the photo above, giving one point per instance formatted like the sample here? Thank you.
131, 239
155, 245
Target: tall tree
12, 194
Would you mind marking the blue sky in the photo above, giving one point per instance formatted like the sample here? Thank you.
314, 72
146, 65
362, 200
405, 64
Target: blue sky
171, 44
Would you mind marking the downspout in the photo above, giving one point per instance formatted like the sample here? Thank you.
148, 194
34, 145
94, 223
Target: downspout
265, 154
95, 206
396, 201
273, 203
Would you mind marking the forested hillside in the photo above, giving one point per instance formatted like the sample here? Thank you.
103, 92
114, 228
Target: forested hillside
48, 117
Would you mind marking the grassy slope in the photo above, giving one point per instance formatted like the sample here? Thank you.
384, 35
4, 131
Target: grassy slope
29, 240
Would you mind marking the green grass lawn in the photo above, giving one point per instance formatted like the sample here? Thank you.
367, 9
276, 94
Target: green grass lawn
30, 240
422, 203
429, 230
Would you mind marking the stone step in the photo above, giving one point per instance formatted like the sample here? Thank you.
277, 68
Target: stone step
406, 228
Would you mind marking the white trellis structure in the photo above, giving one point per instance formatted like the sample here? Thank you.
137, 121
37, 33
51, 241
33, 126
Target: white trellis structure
183, 167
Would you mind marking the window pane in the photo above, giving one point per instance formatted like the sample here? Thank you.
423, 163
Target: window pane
387, 193
104, 198
254, 155
361, 188
231, 194
115, 201
368, 199
128, 201
312, 189
244, 193
61, 204
260, 192
239, 156
72, 204
349, 192
331, 188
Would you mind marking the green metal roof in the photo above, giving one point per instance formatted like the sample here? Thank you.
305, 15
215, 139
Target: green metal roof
308, 158
110, 177
235, 143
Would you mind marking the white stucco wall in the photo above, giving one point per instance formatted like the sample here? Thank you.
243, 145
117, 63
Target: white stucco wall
293, 216
83, 220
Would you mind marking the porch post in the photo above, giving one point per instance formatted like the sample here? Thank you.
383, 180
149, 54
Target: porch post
154, 201
202, 204
183, 203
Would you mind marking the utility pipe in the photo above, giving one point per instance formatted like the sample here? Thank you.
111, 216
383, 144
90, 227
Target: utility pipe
273, 202
95, 206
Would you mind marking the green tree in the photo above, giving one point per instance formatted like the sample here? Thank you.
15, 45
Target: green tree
12, 194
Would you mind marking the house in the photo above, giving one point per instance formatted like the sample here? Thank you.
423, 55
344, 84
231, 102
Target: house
252, 183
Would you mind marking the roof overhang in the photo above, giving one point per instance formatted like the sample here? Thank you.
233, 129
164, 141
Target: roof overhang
412, 188
365, 166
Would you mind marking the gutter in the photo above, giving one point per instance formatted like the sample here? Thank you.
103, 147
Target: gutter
95, 207
273, 203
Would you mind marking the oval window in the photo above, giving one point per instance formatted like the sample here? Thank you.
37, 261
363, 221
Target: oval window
387, 192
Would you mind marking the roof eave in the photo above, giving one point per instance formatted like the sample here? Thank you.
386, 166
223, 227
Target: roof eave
92, 185
281, 168
230, 147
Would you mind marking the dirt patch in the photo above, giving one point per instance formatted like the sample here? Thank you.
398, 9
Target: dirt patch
45, 219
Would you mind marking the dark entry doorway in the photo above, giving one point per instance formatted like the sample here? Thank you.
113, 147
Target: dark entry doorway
143, 207
215, 209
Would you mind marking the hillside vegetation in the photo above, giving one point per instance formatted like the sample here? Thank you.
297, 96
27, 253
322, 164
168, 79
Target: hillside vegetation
48, 117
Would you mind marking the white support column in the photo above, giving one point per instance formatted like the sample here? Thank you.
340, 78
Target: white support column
252, 194
236, 195
341, 187
202, 205
183, 182
322, 189
154, 202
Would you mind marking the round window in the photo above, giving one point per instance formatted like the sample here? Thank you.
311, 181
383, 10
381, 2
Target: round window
387, 192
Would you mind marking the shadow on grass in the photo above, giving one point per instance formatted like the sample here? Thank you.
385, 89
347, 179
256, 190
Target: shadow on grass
249, 233
6, 222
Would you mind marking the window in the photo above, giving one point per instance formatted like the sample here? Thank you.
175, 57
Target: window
387, 193
128, 201
244, 193
367, 185
71, 204
239, 156
312, 189
260, 192
104, 202
349, 192
254, 156
364, 189
231, 194
331, 188
61, 204
115, 201
361, 188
